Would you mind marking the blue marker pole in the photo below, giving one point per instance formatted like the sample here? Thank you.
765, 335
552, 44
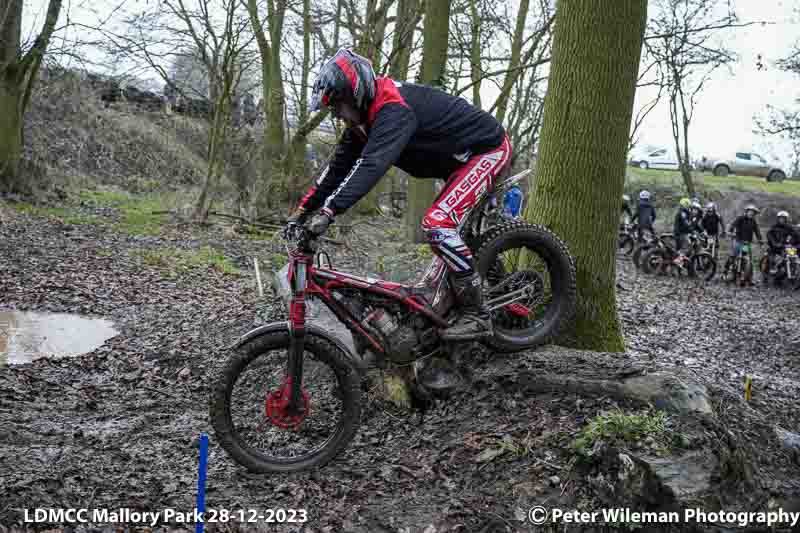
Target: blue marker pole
201, 481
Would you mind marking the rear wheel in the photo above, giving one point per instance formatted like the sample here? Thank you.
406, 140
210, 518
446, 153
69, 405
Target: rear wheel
248, 409
529, 284
776, 175
721, 170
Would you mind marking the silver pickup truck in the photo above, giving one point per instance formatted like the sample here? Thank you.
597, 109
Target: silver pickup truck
744, 164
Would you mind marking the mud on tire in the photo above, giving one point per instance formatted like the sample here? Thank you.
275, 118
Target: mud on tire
323, 351
561, 269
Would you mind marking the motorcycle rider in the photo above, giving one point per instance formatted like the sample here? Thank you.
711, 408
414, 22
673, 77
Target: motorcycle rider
429, 134
645, 215
778, 235
681, 229
696, 216
713, 224
743, 228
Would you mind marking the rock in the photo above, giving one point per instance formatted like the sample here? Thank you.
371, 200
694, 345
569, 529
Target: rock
184, 373
489, 454
634, 481
669, 392
555, 481
790, 441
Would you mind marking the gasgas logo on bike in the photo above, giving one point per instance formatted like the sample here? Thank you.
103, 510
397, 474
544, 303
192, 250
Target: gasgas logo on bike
470, 182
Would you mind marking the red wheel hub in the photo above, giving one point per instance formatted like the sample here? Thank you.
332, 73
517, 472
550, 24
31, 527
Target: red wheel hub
278, 403
519, 310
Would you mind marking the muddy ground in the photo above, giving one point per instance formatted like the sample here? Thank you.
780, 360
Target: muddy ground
118, 427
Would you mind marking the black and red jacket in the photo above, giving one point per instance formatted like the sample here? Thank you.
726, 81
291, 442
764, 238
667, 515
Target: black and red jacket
424, 131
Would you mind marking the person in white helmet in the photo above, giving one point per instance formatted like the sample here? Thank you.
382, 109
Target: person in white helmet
713, 224
778, 235
645, 215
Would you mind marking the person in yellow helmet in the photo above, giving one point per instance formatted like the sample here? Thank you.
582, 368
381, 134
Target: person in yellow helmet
682, 228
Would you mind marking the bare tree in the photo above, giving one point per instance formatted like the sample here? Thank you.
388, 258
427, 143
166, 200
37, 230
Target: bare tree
18, 72
785, 123
682, 42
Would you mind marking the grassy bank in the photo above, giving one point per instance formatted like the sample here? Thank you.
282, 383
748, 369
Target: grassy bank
707, 181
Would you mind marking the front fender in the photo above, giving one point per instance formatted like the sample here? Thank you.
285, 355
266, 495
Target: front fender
311, 329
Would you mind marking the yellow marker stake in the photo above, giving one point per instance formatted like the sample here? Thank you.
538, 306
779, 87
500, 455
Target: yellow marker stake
748, 388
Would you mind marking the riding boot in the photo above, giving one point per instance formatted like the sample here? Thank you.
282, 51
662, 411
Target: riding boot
475, 321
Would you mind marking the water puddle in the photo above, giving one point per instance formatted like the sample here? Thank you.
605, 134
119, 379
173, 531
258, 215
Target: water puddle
25, 336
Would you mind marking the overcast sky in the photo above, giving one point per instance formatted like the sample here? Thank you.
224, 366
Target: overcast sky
723, 120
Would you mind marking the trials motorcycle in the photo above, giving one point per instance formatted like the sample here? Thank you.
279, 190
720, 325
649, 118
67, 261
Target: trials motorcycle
289, 399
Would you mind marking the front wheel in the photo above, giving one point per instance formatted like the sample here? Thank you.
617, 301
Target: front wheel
248, 408
703, 265
654, 261
636, 257
626, 243
529, 284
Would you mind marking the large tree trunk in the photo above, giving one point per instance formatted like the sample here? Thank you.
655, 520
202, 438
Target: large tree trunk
434, 58
580, 173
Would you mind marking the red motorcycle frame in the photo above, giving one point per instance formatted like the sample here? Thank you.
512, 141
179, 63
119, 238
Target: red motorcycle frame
307, 279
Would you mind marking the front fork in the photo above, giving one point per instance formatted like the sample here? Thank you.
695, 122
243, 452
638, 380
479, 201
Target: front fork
297, 335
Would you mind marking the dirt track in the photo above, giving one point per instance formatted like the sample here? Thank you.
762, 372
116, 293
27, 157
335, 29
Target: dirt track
117, 427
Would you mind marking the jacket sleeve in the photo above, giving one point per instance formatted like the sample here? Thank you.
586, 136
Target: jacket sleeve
342, 160
635, 216
653, 218
390, 133
756, 230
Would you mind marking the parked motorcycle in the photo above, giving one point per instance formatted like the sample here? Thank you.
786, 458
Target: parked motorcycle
289, 399
739, 269
661, 259
651, 240
786, 268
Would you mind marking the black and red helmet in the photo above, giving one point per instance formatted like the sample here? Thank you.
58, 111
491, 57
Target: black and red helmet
345, 75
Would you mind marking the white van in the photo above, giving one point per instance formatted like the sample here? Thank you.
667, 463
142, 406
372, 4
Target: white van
660, 158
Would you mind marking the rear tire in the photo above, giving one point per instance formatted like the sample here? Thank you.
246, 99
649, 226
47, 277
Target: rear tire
721, 170
349, 391
776, 176
560, 267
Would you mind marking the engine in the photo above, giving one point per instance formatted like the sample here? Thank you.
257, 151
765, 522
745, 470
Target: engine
406, 337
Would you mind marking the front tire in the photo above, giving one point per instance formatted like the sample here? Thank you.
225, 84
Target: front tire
231, 429
560, 267
644, 165
653, 261
626, 244
703, 265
